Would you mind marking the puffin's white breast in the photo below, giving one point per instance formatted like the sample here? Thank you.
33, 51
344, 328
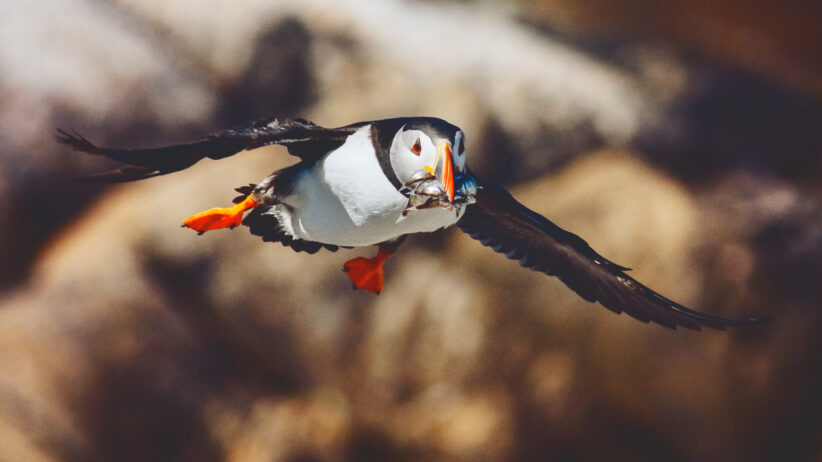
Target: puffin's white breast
346, 199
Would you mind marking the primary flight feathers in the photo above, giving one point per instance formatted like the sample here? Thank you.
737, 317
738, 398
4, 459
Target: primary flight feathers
145, 163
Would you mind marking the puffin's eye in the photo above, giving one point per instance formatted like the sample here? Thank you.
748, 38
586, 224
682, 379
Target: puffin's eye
417, 147
461, 150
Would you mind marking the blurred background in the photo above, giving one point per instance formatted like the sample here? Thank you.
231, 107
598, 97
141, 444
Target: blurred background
680, 138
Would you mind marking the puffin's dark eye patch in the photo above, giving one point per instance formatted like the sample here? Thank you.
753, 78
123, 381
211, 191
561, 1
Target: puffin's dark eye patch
417, 147
462, 149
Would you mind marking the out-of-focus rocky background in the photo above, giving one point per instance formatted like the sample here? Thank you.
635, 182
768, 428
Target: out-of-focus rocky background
680, 138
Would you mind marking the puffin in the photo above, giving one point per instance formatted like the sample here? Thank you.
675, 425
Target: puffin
375, 182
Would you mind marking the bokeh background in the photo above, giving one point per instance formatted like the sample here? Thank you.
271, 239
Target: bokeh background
681, 138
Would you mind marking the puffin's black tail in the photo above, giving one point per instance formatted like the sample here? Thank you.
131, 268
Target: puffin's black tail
268, 227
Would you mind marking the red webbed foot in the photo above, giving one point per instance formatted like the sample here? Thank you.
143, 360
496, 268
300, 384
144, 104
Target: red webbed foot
220, 217
366, 273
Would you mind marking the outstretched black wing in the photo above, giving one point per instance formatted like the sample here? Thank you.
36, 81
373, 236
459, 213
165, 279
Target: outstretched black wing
498, 221
303, 139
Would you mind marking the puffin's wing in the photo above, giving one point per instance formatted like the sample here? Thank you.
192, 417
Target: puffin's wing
303, 139
498, 221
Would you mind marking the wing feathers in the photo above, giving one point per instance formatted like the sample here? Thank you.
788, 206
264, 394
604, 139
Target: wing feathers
498, 221
303, 139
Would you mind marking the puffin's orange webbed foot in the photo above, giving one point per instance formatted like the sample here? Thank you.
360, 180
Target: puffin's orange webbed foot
366, 273
220, 217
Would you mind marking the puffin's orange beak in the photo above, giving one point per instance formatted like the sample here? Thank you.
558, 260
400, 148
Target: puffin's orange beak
447, 179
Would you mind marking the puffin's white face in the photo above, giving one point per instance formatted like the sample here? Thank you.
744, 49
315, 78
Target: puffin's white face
413, 150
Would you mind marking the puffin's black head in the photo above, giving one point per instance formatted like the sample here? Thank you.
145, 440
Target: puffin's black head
431, 144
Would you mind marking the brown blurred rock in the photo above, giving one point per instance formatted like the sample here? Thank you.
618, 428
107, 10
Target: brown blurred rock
780, 41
